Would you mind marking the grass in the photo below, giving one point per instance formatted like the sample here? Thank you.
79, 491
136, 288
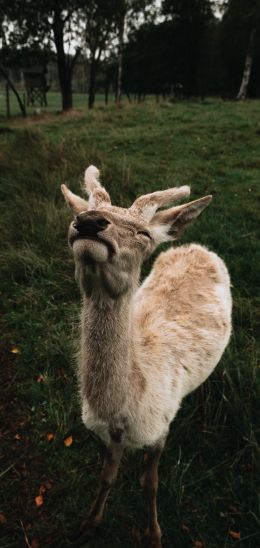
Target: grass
208, 488
54, 105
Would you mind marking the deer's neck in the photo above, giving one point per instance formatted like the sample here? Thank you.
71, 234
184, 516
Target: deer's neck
106, 354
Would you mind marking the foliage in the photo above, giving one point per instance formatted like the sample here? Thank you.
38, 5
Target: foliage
239, 26
42, 23
51, 465
190, 19
134, 48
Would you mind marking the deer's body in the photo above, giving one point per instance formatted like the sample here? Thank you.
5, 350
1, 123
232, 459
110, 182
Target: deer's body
176, 327
143, 349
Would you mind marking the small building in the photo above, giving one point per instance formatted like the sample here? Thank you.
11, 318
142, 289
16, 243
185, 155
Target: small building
36, 86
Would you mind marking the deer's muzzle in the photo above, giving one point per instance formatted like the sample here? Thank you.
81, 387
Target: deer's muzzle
89, 224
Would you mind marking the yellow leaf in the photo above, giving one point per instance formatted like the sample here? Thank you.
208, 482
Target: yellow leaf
38, 500
68, 441
15, 350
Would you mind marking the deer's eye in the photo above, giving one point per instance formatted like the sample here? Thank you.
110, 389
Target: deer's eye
144, 233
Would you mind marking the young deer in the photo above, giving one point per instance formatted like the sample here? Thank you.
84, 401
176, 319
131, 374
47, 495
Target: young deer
143, 348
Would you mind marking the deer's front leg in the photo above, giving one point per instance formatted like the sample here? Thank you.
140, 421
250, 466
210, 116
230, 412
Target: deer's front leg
149, 482
108, 477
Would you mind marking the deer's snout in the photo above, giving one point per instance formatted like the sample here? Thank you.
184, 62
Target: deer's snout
89, 224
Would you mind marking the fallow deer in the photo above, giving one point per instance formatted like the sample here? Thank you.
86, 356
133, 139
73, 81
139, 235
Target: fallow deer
143, 348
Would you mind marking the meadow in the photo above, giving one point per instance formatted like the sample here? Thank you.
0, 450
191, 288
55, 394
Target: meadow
50, 465
54, 102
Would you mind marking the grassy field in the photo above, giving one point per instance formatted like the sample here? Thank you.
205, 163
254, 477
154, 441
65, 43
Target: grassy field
80, 101
51, 464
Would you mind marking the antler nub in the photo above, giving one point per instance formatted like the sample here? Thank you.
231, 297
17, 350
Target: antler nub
91, 179
97, 194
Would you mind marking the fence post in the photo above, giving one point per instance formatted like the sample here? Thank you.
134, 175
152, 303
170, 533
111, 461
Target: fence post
7, 95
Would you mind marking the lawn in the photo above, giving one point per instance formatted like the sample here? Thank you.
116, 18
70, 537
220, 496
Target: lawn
50, 464
54, 103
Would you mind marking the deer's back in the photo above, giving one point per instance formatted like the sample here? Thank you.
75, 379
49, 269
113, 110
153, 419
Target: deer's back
183, 312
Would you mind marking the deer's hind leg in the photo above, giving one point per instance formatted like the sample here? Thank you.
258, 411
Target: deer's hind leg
149, 482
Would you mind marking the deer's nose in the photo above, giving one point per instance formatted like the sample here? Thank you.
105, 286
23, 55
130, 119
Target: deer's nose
90, 224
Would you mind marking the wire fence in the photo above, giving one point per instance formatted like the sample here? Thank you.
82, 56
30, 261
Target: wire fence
9, 106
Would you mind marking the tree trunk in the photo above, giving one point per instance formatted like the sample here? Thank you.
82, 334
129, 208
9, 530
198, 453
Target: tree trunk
247, 69
6, 77
92, 83
106, 92
66, 92
120, 59
64, 68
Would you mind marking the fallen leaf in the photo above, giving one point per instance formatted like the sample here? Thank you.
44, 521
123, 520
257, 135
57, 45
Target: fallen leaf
234, 534
35, 543
38, 500
50, 437
68, 441
2, 518
17, 436
15, 350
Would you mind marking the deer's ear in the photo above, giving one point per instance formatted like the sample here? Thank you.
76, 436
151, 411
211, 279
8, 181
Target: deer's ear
75, 203
168, 225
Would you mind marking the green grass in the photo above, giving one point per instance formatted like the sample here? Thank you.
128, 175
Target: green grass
209, 468
80, 101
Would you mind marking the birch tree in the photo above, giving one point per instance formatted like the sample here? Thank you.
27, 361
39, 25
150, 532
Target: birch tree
243, 19
242, 93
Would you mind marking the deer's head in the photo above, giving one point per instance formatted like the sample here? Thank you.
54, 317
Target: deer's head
110, 243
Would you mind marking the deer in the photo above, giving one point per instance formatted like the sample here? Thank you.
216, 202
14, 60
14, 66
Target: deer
143, 348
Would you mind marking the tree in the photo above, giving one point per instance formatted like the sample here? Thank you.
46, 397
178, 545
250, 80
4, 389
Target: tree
148, 60
190, 21
48, 22
99, 27
61, 24
127, 14
242, 20
3, 70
